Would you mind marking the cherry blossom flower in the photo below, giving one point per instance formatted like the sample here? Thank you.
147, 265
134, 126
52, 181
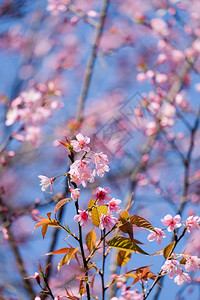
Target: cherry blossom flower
75, 194
100, 161
46, 182
107, 221
102, 195
80, 172
128, 294
81, 143
159, 234
161, 78
56, 6
171, 222
113, 205
83, 217
192, 263
5, 233
171, 267
131, 295
181, 278
37, 298
159, 26
151, 128
193, 222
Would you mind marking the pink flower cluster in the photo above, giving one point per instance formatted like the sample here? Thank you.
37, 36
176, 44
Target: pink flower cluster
172, 267
32, 108
56, 6
80, 171
128, 294
106, 221
192, 222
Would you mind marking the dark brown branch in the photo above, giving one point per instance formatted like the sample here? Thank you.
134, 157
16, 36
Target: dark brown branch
18, 258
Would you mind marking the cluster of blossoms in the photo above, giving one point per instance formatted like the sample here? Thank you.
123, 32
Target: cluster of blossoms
128, 294
56, 6
172, 267
32, 108
192, 223
100, 196
81, 172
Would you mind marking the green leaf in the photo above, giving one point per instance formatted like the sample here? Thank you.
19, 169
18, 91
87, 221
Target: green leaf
168, 250
122, 243
141, 222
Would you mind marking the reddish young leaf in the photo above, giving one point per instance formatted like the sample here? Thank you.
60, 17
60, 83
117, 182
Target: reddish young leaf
45, 223
60, 251
61, 203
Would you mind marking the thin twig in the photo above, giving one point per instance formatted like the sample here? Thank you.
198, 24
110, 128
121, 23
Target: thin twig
90, 66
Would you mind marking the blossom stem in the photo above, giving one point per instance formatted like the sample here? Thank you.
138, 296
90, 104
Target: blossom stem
103, 263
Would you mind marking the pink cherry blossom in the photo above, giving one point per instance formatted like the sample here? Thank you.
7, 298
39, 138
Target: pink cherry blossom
159, 234
151, 128
107, 221
100, 161
141, 77
181, 278
161, 58
81, 143
113, 205
193, 222
171, 267
128, 294
56, 6
5, 233
81, 173
37, 298
46, 182
83, 217
171, 222
159, 26
131, 295
75, 194
161, 78
192, 263
102, 195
